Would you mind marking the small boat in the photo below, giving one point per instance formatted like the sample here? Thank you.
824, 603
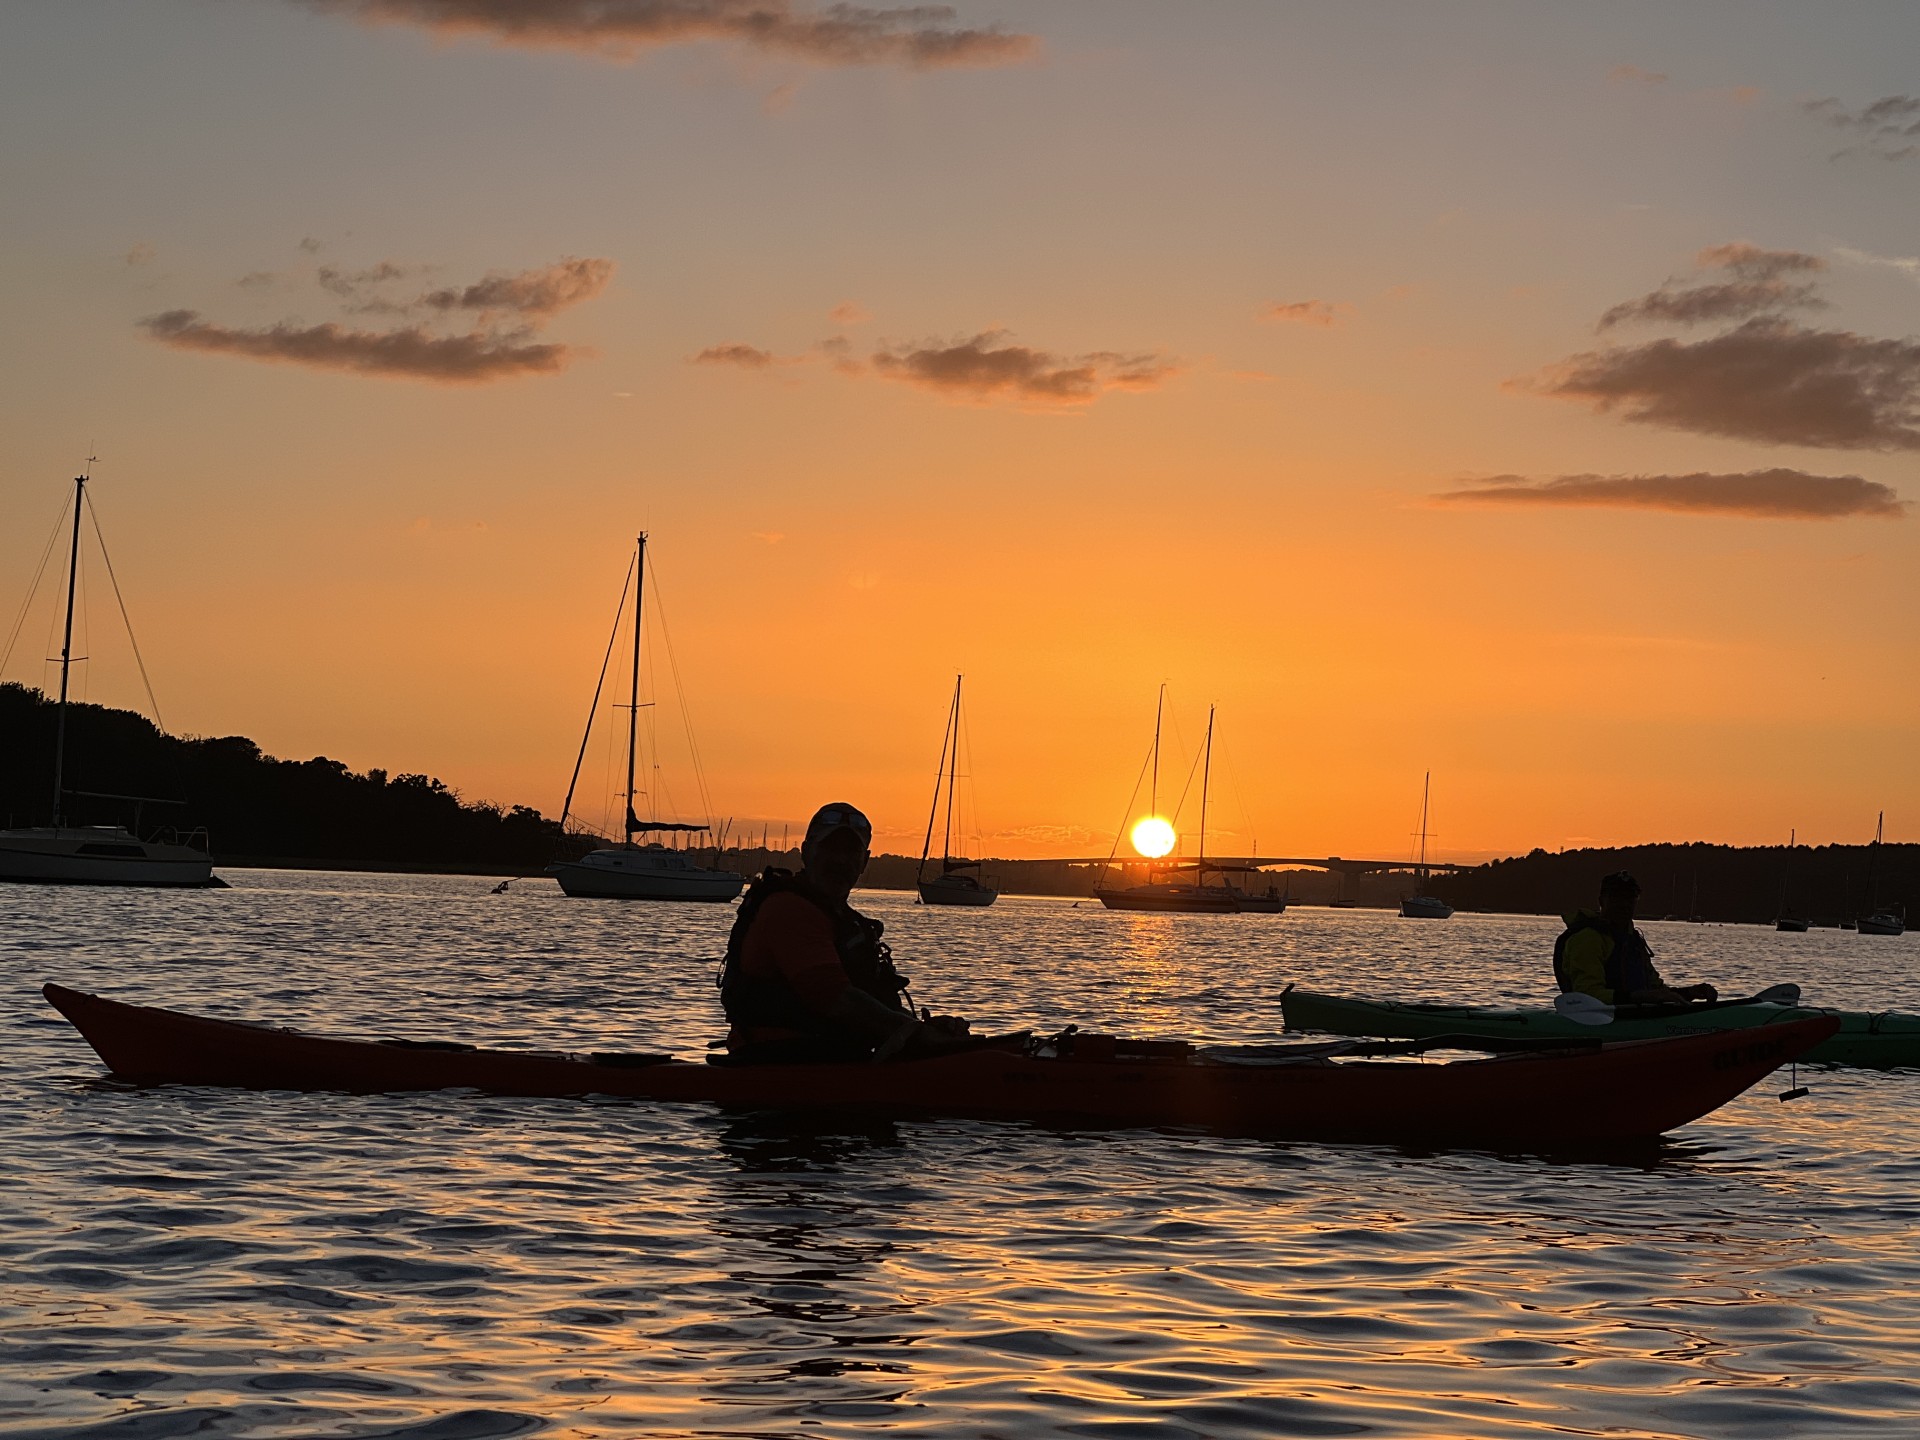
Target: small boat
1877, 1040
1420, 905
1784, 919
628, 871
64, 854
1539, 1101
1271, 901
1882, 920
952, 886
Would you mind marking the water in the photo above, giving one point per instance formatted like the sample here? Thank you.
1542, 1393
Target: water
450, 1267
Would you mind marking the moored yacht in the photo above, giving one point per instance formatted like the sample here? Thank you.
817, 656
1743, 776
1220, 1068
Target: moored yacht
64, 854
953, 885
628, 871
1420, 905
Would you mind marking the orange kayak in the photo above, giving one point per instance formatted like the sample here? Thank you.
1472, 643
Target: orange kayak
1578, 1096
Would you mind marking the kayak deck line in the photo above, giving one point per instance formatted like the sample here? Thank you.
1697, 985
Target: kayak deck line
1537, 1100
1881, 1040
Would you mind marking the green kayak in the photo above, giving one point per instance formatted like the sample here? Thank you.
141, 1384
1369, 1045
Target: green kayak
1877, 1040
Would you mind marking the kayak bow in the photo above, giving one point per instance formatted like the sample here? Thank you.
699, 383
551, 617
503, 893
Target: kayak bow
1618, 1092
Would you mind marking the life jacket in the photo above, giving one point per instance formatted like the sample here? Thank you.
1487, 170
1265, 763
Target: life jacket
768, 1001
1628, 965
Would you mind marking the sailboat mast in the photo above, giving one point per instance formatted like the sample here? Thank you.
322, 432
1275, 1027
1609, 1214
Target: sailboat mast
66, 649
633, 694
1153, 795
1206, 778
939, 774
1426, 790
953, 770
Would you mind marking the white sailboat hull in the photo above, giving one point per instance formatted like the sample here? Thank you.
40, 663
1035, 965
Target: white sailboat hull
99, 855
1425, 907
1884, 923
956, 890
644, 873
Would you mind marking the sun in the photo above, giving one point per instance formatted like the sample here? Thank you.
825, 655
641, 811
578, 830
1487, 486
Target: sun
1153, 837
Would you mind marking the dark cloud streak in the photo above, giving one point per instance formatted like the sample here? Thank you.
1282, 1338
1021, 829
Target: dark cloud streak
1889, 127
412, 352
1778, 494
1768, 380
985, 368
1764, 282
918, 36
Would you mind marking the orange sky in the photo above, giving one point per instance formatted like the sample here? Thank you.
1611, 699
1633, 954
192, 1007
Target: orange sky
1118, 356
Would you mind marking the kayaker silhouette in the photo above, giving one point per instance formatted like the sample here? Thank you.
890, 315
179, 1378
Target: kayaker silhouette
807, 978
1603, 954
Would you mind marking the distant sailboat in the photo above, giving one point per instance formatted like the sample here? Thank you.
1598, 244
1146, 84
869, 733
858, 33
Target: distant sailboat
64, 854
1419, 905
952, 886
628, 871
1180, 897
1786, 920
1881, 920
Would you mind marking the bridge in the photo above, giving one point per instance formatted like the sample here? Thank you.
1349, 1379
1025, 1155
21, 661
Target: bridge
1338, 864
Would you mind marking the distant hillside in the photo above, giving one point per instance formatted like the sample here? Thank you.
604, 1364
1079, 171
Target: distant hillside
1826, 883
256, 808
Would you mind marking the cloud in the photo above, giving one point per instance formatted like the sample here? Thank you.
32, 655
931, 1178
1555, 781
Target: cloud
541, 292
917, 36
1764, 282
734, 352
1323, 313
412, 352
1767, 380
508, 309
1758, 494
1634, 75
1908, 265
849, 312
1889, 127
986, 368
140, 254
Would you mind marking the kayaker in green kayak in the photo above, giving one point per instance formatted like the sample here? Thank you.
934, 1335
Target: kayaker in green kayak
1604, 954
807, 977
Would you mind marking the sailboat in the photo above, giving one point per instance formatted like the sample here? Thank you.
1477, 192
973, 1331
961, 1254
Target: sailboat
1197, 897
60, 853
1883, 920
952, 886
628, 871
1419, 906
1785, 919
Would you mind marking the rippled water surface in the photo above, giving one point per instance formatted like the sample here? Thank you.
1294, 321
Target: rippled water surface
200, 1262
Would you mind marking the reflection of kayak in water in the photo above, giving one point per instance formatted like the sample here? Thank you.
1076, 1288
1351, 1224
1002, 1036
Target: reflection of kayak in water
1298, 1092
1877, 1040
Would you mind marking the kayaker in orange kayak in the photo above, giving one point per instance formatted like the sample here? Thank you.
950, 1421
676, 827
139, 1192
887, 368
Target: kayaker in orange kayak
1604, 954
807, 977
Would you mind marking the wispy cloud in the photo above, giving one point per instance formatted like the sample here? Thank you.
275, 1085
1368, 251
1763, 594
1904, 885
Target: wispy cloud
918, 36
506, 310
1888, 128
411, 352
988, 366
1762, 282
541, 292
746, 357
1778, 494
1323, 313
1767, 380
140, 254
1634, 75
1908, 265
849, 312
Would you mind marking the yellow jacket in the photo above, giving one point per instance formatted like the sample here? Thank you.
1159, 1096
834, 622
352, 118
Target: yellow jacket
1587, 958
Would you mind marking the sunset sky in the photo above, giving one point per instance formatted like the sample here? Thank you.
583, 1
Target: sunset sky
1526, 394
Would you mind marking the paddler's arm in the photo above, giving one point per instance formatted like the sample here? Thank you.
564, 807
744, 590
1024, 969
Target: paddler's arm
855, 1010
